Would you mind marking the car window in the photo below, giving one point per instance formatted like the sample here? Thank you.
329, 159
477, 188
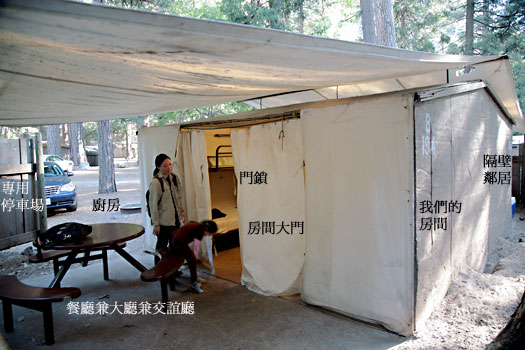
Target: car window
53, 170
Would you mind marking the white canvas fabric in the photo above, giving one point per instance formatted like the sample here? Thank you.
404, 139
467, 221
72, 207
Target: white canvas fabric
191, 162
453, 136
272, 261
151, 142
138, 63
359, 236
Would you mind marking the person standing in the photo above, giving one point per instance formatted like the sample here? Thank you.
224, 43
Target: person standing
165, 202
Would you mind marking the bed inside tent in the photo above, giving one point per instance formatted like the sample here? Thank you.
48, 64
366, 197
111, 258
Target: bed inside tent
226, 257
223, 188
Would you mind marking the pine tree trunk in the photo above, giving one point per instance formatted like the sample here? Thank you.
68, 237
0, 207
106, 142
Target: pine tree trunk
300, 5
83, 138
367, 21
76, 147
127, 143
469, 28
6, 132
53, 139
106, 170
514, 332
485, 18
384, 19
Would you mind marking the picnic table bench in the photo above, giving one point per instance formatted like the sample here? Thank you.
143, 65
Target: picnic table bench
14, 292
164, 271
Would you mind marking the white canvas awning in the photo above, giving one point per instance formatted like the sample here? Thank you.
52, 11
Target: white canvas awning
65, 61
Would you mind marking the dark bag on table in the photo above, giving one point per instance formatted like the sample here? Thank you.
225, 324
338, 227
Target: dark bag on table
63, 233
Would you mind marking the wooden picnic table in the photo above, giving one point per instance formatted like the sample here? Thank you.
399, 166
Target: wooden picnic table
106, 235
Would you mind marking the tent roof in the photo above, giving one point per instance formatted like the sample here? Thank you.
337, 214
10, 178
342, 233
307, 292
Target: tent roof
65, 62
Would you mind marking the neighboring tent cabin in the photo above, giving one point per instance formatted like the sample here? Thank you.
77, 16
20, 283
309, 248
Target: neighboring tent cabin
368, 206
371, 175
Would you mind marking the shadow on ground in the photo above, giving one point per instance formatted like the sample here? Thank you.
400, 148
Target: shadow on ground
226, 316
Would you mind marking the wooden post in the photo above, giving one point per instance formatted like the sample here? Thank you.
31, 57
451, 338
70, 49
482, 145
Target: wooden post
522, 172
40, 181
516, 176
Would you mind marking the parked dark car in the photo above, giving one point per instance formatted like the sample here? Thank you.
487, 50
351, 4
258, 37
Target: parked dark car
60, 191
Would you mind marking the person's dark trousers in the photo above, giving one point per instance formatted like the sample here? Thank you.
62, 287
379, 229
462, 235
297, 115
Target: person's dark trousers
164, 238
184, 250
163, 241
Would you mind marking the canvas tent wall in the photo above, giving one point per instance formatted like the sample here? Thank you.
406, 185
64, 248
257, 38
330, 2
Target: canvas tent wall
458, 132
368, 167
359, 243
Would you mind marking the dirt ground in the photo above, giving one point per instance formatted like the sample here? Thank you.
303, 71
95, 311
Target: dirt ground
13, 262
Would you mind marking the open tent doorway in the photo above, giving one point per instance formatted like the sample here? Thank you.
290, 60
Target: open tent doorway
250, 167
223, 190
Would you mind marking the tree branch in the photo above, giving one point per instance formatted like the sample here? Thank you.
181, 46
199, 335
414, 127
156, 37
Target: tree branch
491, 26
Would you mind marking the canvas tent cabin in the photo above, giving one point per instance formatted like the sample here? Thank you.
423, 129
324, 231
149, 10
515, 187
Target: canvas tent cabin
371, 204
383, 134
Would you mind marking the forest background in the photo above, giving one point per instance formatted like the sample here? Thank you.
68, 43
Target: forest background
470, 27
